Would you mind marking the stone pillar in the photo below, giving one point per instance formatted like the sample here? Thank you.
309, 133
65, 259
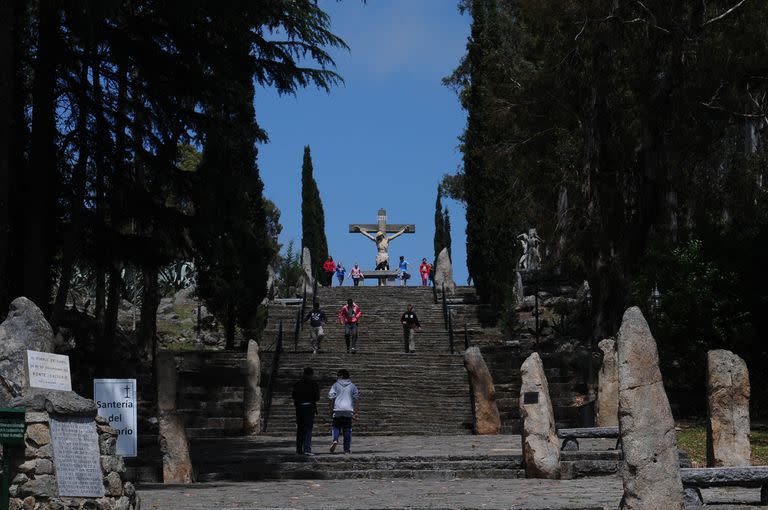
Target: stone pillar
306, 274
651, 469
727, 410
444, 272
608, 386
252, 397
487, 420
541, 448
177, 464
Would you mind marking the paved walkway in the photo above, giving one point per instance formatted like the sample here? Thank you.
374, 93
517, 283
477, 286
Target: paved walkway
587, 493
584, 493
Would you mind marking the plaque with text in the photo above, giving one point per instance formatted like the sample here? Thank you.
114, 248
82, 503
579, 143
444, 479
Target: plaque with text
531, 397
48, 371
116, 403
76, 457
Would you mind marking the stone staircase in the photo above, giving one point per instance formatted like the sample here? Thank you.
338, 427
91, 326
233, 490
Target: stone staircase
400, 394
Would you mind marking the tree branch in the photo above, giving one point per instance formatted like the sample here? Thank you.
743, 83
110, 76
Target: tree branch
723, 15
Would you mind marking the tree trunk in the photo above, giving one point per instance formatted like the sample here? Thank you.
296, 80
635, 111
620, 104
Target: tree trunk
7, 94
148, 320
78, 197
113, 306
102, 141
42, 174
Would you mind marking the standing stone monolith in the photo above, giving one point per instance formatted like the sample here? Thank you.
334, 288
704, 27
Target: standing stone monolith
727, 410
487, 420
306, 282
444, 272
519, 290
541, 448
608, 386
252, 395
177, 463
651, 470
24, 329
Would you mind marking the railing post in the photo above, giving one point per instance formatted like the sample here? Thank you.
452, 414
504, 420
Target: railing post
297, 330
466, 337
434, 292
450, 333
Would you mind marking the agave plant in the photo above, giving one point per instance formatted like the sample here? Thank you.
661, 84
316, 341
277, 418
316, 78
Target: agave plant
176, 276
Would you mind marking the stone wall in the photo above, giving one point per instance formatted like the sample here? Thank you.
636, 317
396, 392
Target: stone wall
34, 478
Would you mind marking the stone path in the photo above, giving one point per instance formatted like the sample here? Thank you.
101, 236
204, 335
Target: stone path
589, 493
584, 493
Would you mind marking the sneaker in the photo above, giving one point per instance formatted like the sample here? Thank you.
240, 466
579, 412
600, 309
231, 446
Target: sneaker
354, 350
309, 454
314, 351
334, 445
347, 452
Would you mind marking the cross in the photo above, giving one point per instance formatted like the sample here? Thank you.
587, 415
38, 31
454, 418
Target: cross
127, 391
382, 226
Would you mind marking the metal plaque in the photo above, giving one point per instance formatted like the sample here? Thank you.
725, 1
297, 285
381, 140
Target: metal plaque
531, 397
12, 425
76, 457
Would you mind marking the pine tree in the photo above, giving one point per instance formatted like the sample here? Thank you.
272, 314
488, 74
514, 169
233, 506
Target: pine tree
313, 220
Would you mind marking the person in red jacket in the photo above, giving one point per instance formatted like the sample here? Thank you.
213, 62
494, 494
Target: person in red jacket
424, 270
348, 317
329, 267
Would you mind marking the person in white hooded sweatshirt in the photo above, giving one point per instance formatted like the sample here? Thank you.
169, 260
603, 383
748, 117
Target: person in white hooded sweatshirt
343, 398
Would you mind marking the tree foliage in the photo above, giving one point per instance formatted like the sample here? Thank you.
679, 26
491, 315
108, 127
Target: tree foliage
108, 106
623, 131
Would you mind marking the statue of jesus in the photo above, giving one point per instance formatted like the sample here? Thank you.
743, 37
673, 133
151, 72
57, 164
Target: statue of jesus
382, 246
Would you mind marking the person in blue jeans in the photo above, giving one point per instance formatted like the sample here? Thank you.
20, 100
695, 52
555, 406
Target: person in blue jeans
402, 268
305, 395
344, 403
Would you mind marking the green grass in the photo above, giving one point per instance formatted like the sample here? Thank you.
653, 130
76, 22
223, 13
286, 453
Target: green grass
692, 439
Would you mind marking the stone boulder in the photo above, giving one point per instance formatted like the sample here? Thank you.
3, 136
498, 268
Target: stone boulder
444, 272
24, 329
541, 448
727, 410
608, 386
651, 470
487, 420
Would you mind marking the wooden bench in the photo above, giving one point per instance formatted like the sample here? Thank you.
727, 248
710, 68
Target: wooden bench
571, 436
750, 476
382, 275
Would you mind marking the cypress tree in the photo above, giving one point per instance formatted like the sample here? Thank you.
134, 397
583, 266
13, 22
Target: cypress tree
439, 242
447, 231
313, 220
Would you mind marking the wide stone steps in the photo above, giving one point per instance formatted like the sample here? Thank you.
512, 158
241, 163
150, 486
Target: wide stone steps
243, 459
399, 393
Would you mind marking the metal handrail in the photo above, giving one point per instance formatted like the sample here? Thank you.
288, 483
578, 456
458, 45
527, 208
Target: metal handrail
445, 309
273, 373
297, 328
450, 333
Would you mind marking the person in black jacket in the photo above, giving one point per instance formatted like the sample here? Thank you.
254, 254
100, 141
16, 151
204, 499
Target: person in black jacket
306, 393
410, 325
317, 320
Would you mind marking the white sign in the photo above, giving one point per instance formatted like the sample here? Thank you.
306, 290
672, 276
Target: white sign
116, 403
48, 371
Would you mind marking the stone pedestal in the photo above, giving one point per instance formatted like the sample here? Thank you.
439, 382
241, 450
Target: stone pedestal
608, 386
651, 470
541, 448
487, 420
728, 410
34, 484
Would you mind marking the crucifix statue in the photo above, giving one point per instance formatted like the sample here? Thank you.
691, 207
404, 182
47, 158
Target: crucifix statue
378, 234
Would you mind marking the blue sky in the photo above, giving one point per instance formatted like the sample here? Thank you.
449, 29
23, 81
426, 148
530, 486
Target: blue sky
383, 139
